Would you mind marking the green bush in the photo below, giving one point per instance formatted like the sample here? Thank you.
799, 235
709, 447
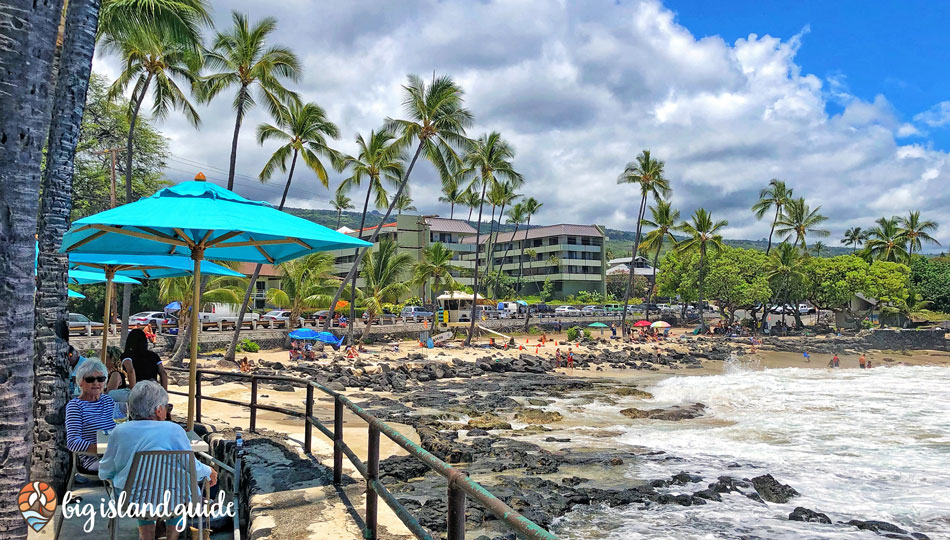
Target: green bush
573, 333
586, 333
247, 345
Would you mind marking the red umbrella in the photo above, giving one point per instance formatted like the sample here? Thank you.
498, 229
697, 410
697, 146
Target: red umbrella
641, 323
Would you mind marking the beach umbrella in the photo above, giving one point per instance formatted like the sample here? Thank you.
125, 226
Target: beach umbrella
85, 277
201, 221
641, 323
597, 325
73, 294
660, 324
120, 267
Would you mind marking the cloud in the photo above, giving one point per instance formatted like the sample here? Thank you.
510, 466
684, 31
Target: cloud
580, 88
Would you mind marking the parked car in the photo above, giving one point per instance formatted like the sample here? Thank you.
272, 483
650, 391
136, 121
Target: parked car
78, 321
276, 315
567, 311
215, 312
787, 308
805, 309
414, 311
150, 317
592, 310
508, 310
486, 312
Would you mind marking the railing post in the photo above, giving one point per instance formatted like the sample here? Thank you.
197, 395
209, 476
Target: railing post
307, 426
337, 441
372, 474
253, 426
198, 396
456, 517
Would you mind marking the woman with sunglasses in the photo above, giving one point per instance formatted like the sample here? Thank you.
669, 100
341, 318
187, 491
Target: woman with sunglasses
88, 413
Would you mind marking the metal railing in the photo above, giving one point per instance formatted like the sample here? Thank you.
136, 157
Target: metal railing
459, 484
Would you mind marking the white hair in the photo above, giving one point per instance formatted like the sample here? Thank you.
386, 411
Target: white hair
145, 397
90, 367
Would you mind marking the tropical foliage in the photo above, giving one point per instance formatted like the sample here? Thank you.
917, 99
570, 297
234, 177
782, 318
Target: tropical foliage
305, 283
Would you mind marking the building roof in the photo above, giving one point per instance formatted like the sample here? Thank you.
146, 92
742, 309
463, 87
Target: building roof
541, 232
437, 224
367, 229
624, 269
626, 260
267, 270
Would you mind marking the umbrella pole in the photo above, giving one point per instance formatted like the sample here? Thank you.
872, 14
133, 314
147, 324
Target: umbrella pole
196, 254
107, 316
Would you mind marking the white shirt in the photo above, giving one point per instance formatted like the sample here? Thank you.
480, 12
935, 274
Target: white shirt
138, 436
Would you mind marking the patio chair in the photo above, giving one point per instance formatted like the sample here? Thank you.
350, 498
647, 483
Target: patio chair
155, 472
74, 470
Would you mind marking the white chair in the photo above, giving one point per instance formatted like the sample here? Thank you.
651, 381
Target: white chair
155, 473
74, 470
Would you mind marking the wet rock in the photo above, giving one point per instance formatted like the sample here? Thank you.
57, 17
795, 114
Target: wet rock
683, 478
803, 514
772, 490
488, 421
708, 494
728, 484
616, 461
477, 433
537, 416
442, 447
555, 439
672, 414
401, 468
633, 392
336, 386
877, 526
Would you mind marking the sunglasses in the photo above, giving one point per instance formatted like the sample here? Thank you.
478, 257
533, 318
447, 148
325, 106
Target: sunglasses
94, 379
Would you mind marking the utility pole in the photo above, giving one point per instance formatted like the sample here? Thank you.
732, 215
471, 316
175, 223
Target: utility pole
114, 152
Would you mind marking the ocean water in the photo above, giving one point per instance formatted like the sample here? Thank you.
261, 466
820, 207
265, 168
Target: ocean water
857, 444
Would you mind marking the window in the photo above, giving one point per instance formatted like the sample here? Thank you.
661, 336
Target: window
571, 240
553, 241
538, 242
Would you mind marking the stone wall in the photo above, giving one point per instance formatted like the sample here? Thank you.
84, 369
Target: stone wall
886, 339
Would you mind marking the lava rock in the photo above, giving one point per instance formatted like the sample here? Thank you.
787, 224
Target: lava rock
772, 490
810, 516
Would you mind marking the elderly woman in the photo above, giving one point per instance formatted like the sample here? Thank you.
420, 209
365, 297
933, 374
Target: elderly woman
147, 430
88, 413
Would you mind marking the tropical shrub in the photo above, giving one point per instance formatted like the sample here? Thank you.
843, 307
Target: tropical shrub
573, 333
247, 345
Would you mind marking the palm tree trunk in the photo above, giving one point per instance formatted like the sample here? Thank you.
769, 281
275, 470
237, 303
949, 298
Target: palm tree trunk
369, 323
127, 289
26, 59
633, 262
339, 216
702, 280
470, 209
234, 140
478, 231
50, 458
349, 326
772, 231
356, 263
527, 228
656, 258
452, 211
232, 347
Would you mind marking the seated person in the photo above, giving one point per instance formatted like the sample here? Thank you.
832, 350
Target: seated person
140, 363
88, 413
117, 385
146, 431
149, 333
74, 359
351, 352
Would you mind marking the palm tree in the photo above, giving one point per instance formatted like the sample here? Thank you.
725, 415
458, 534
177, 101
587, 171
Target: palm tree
340, 203
886, 242
488, 161
914, 230
452, 194
380, 157
783, 271
502, 194
303, 129
384, 273
243, 59
517, 215
648, 174
435, 269
854, 237
29, 45
663, 220
307, 282
437, 121
777, 195
149, 56
818, 248
403, 203
702, 235
179, 20
531, 207
800, 220
471, 201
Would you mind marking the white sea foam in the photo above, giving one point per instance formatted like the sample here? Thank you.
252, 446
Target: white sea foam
857, 444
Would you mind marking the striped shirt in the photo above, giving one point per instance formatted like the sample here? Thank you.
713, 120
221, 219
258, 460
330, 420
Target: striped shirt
83, 419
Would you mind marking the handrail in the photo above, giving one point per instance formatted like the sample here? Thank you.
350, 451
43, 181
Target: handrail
459, 484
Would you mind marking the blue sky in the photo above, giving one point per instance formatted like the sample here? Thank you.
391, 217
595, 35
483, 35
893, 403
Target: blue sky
898, 49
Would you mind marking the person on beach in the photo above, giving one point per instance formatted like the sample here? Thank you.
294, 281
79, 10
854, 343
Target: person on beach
557, 357
570, 359
807, 356
869, 362
613, 331
862, 362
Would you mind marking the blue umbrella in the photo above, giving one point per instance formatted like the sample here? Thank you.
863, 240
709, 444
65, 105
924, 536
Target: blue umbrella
85, 277
312, 335
118, 268
73, 294
201, 220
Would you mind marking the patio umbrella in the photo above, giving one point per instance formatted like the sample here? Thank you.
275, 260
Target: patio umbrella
597, 325
201, 220
73, 294
641, 323
120, 267
85, 277
660, 324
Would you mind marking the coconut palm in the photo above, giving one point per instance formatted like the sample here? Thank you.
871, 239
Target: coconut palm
663, 220
434, 272
384, 273
243, 59
531, 207
854, 237
179, 20
646, 172
307, 282
502, 194
302, 130
819, 248
436, 120
487, 162
702, 235
886, 242
783, 270
380, 158
340, 203
403, 203
452, 194
799, 220
28, 36
914, 231
517, 215
777, 196
472, 200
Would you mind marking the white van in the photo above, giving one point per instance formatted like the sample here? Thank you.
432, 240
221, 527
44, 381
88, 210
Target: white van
509, 310
216, 312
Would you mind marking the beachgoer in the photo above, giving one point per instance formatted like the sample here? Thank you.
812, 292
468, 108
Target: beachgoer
570, 359
149, 333
869, 363
835, 361
88, 413
613, 330
557, 357
807, 357
140, 363
862, 362
351, 353
557, 325
308, 351
147, 432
